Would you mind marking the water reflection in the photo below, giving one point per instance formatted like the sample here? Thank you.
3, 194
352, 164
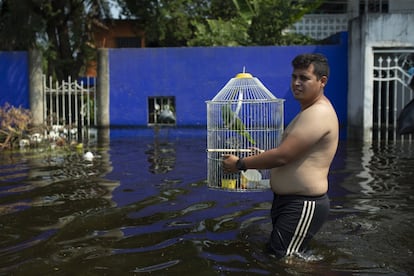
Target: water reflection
161, 156
382, 177
55, 172
42, 192
373, 221
130, 212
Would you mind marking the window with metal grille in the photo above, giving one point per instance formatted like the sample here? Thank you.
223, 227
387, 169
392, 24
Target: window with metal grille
161, 110
373, 6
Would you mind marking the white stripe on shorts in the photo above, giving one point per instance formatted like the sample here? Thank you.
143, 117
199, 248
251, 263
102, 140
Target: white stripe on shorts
302, 227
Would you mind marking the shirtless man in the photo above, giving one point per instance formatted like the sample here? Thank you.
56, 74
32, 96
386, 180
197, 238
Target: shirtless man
300, 164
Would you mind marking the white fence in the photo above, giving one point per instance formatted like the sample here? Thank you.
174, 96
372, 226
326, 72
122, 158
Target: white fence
392, 73
320, 26
70, 107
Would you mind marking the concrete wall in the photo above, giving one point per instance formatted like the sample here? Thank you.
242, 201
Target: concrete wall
366, 33
194, 75
401, 6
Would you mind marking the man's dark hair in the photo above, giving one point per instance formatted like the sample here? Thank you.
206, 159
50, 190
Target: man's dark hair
319, 61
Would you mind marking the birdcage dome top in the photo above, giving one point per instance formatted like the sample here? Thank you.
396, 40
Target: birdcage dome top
244, 87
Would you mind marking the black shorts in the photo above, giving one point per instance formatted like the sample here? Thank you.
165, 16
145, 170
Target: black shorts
296, 219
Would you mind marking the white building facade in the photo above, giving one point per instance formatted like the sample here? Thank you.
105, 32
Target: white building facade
380, 60
381, 54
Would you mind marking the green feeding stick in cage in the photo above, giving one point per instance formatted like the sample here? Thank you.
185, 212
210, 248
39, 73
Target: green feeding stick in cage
233, 122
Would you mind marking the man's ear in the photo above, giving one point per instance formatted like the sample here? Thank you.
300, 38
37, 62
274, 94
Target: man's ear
324, 80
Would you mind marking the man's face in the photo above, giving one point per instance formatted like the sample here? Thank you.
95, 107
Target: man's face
305, 84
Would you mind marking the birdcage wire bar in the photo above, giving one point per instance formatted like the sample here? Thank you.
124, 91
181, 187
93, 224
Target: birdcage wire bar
246, 102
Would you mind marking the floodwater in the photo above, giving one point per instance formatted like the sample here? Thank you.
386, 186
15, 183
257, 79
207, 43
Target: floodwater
142, 206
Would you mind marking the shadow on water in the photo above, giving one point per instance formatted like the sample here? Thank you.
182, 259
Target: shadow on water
142, 206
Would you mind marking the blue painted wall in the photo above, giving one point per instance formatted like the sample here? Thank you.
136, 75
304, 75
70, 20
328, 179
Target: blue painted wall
194, 75
14, 79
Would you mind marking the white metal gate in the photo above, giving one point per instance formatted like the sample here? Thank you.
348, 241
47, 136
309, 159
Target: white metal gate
70, 108
392, 72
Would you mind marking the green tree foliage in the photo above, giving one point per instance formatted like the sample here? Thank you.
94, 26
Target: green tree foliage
254, 22
62, 29
271, 17
166, 23
18, 25
219, 22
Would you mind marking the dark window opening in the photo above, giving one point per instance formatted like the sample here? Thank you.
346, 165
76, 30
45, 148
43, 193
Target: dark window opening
161, 110
332, 6
373, 6
128, 42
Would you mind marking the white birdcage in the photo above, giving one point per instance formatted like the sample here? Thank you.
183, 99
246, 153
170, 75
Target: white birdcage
244, 118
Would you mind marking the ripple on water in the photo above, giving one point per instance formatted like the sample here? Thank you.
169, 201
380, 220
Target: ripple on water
128, 211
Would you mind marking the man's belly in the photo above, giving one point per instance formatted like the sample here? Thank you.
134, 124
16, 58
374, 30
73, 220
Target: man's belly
287, 181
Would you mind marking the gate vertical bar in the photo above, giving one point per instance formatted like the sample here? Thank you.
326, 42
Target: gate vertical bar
395, 103
387, 99
82, 112
88, 98
95, 105
63, 106
69, 92
75, 118
379, 98
51, 100
45, 88
57, 102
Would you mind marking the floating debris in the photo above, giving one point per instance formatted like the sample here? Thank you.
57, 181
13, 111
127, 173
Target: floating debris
88, 156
